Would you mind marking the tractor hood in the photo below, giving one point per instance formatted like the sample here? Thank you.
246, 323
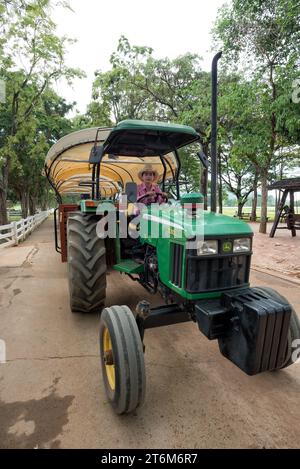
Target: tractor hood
216, 224
184, 226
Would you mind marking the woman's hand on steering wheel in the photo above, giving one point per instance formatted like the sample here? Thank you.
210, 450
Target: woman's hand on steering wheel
149, 194
154, 194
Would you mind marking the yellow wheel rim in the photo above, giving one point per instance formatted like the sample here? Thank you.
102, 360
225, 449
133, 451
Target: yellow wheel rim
108, 359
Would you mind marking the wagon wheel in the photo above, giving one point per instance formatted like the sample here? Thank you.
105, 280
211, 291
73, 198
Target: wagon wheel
122, 359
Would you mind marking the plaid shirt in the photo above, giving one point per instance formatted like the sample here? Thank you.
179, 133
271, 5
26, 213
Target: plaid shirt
142, 190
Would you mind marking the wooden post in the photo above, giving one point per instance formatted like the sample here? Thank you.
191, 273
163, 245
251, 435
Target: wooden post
15, 232
292, 211
23, 229
278, 213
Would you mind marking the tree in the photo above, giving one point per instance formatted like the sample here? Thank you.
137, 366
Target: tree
25, 176
47, 124
116, 94
31, 58
238, 178
51, 115
238, 119
265, 36
139, 86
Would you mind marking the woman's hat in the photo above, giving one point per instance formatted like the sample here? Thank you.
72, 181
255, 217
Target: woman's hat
148, 167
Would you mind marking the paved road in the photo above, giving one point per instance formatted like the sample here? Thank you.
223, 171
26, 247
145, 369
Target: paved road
51, 394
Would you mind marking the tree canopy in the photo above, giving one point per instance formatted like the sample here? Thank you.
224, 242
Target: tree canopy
258, 121
32, 57
262, 38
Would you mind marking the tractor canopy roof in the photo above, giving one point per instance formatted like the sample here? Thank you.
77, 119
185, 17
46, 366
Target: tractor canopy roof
146, 138
127, 147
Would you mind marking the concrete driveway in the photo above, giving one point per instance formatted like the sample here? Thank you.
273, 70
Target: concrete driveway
51, 393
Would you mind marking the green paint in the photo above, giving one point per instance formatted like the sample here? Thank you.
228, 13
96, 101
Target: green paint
181, 229
181, 226
128, 266
191, 198
145, 138
142, 125
160, 226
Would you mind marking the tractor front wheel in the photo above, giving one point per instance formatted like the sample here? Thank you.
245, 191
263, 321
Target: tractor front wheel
86, 264
122, 359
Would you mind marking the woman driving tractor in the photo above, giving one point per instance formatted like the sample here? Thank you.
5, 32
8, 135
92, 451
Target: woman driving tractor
148, 191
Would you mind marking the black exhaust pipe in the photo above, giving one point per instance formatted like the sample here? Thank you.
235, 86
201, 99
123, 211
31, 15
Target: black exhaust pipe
213, 145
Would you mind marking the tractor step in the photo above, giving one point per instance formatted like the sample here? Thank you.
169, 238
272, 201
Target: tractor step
129, 266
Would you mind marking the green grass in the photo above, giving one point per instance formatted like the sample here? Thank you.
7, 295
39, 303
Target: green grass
230, 211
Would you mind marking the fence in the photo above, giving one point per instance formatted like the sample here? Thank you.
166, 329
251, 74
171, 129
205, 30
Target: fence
11, 234
15, 213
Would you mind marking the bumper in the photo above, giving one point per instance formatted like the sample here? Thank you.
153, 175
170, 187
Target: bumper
251, 328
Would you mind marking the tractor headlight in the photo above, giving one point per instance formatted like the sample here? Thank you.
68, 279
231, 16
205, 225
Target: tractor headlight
241, 245
208, 247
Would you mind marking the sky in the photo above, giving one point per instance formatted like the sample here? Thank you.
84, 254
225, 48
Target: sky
170, 27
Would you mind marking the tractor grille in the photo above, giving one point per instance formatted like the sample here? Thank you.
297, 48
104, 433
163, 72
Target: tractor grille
216, 273
176, 264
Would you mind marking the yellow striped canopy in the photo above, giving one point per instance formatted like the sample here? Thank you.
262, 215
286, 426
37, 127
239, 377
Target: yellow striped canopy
67, 164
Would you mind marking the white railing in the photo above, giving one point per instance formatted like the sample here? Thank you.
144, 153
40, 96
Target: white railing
12, 234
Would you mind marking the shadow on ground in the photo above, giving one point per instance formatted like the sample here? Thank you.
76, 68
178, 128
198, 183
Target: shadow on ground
33, 423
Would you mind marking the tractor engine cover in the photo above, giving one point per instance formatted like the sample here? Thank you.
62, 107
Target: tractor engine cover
257, 338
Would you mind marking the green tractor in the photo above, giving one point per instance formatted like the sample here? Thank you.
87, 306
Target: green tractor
197, 260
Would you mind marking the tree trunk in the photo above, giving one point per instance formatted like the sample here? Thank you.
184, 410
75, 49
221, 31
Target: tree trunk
32, 205
220, 197
44, 200
240, 208
24, 204
239, 197
3, 192
264, 202
254, 202
264, 171
3, 209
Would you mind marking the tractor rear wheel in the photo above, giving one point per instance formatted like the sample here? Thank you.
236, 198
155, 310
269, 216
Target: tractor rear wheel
122, 359
86, 264
294, 331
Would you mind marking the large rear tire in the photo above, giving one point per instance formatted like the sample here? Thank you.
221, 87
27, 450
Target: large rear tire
294, 331
86, 264
122, 359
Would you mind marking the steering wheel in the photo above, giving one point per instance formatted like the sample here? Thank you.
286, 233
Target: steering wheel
156, 195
